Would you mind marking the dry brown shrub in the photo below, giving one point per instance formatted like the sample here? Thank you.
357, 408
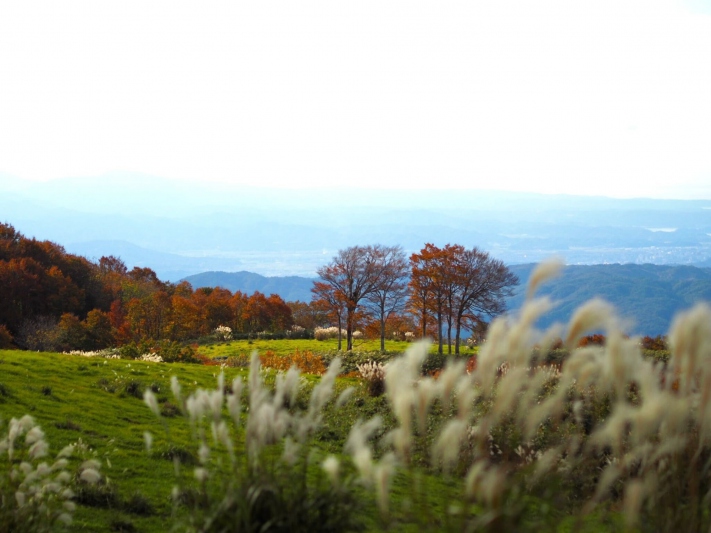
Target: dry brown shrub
306, 361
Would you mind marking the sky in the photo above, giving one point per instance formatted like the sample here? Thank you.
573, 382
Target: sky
604, 97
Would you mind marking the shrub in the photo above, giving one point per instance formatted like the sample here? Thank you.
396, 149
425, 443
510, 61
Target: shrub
40, 334
5, 338
305, 361
298, 332
328, 333
658, 343
138, 504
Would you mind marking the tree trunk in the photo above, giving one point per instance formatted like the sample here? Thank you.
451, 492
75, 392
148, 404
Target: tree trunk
449, 336
439, 328
458, 330
349, 328
457, 337
340, 328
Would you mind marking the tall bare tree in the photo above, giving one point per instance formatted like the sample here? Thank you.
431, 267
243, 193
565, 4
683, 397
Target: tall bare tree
390, 293
352, 275
482, 285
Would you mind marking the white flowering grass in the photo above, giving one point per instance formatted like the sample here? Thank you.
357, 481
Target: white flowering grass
256, 458
328, 333
606, 431
35, 490
223, 333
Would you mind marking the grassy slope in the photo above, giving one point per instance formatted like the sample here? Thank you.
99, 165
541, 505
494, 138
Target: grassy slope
70, 398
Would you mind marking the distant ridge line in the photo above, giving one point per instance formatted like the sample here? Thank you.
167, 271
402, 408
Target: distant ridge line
647, 295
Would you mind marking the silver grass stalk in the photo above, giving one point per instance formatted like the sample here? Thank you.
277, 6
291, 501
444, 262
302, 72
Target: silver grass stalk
594, 314
543, 272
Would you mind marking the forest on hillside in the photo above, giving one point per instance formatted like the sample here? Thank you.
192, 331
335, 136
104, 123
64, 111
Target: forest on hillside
53, 300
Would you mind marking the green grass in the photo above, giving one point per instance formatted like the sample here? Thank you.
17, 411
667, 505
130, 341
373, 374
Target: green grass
82, 406
288, 346
99, 401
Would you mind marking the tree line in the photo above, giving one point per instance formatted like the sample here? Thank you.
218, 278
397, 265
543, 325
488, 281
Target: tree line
444, 290
53, 300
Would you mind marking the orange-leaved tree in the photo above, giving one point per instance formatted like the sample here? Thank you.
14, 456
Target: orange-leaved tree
457, 286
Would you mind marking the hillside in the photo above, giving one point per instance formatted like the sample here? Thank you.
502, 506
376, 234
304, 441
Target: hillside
290, 288
647, 295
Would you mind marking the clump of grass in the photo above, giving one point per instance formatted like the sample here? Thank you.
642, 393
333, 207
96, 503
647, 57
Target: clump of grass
169, 410
105, 384
180, 454
46, 390
122, 526
374, 375
67, 424
98, 495
134, 388
36, 494
138, 504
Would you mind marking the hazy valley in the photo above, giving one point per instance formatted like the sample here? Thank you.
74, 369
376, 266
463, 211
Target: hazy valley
180, 230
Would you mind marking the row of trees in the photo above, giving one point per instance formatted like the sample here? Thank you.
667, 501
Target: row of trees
454, 287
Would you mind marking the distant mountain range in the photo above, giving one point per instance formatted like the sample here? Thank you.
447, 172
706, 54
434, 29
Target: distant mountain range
168, 266
181, 229
646, 296
290, 288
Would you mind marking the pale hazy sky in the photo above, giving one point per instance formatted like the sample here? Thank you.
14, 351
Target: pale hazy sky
605, 97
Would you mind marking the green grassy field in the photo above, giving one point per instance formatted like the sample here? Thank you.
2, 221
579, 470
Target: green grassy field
100, 402
455, 453
286, 346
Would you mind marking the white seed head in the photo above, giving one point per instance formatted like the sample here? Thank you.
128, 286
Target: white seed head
175, 388
148, 439
151, 402
592, 315
201, 474
331, 465
543, 272
344, 397
90, 475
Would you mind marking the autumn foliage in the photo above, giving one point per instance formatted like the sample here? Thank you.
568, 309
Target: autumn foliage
306, 361
53, 300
